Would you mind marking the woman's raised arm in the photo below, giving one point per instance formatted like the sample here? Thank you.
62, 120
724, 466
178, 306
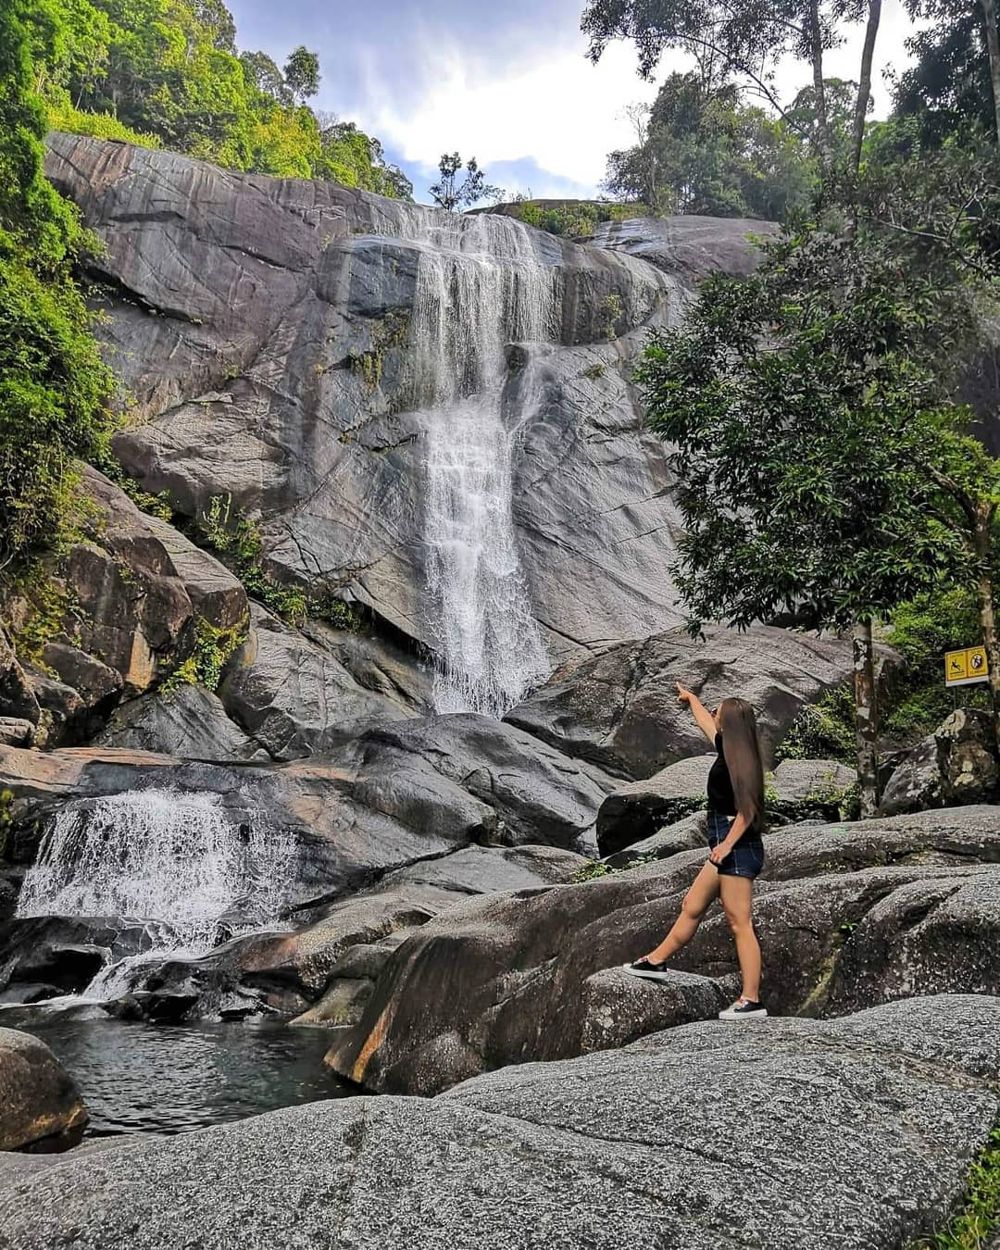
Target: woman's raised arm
701, 714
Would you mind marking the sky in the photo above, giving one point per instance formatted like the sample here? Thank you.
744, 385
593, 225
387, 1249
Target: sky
506, 81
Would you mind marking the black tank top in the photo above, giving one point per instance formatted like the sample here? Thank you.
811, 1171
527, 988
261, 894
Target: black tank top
720, 784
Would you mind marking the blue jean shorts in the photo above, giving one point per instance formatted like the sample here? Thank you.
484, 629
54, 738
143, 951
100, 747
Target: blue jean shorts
746, 859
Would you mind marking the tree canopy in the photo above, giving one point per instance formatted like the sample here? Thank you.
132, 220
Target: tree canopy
168, 72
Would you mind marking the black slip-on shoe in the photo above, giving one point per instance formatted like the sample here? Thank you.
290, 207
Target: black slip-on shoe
744, 1009
648, 971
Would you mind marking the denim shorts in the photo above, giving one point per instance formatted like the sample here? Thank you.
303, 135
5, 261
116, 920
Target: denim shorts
746, 859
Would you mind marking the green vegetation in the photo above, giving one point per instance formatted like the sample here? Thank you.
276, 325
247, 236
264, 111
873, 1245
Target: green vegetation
572, 219
823, 730
700, 150
237, 541
207, 651
979, 1217
6, 820
53, 386
453, 193
168, 73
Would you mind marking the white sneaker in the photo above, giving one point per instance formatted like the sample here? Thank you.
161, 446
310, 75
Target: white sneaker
743, 1009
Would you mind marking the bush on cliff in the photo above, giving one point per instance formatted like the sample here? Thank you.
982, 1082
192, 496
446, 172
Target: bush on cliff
53, 385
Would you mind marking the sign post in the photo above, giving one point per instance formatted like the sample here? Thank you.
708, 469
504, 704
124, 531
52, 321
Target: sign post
966, 667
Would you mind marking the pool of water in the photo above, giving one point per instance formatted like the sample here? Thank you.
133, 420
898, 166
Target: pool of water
151, 1078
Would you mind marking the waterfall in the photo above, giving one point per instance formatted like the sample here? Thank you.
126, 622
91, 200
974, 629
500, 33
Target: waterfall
175, 861
480, 285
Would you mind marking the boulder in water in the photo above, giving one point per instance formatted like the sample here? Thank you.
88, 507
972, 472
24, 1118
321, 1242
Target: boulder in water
40, 1106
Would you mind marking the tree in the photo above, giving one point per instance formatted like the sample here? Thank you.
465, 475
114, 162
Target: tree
264, 74
800, 406
956, 77
744, 41
302, 74
452, 194
703, 151
53, 385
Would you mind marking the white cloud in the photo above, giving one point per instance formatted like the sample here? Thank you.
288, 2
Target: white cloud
553, 107
561, 112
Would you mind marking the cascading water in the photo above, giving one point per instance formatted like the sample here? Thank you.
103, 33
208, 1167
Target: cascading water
480, 285
174, 861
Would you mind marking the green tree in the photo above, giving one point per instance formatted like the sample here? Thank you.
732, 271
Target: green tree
820, 474
955, 78
53, 385
302, 74
745, 43
452, 193
702, 151
264, 74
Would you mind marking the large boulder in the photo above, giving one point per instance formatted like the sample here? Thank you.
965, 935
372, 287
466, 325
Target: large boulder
636, 811
18, 703
293, 695
855, 1134
504, 981
956, 764
189, 722
40, 1106
619, 708
688, 248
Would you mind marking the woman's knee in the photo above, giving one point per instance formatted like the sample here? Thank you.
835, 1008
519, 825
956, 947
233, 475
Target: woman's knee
740, 920
693, 908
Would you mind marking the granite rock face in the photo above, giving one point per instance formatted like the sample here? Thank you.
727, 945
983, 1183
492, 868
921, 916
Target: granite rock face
619, 708
273, 335
956, 764
651, 1147
848, 916
40, 1106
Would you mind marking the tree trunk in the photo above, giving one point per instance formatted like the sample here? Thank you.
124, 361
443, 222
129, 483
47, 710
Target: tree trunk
987, 617
866, 717
865, 84
819, 87
993, 45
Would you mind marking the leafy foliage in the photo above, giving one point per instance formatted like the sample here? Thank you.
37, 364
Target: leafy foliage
452, 193
797, 402
53, 385
167, 72
702, 151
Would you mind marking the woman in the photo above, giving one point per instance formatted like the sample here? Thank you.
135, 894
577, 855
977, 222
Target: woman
736, 850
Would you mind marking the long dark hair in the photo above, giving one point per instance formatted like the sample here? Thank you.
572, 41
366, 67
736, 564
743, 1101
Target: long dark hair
741, 747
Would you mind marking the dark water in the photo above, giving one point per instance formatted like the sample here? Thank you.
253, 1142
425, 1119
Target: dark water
144, 1078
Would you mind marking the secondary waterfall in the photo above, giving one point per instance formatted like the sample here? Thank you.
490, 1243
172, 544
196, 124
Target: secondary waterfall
173, 860
480, 286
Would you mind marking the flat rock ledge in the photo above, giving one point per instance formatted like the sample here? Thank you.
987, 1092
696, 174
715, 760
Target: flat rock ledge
853, 1134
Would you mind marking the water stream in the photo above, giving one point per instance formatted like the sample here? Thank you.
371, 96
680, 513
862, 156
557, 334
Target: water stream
175, 862
481, 285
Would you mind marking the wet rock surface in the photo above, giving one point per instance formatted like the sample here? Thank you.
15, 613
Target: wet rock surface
650, 1146
40, 1107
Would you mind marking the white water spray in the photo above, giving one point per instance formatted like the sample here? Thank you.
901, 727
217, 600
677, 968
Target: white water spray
480, 285
174, 861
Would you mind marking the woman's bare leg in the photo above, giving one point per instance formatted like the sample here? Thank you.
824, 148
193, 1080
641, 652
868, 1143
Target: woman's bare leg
737, 902
697, 901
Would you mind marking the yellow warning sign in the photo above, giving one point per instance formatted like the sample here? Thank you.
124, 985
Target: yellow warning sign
966, 667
